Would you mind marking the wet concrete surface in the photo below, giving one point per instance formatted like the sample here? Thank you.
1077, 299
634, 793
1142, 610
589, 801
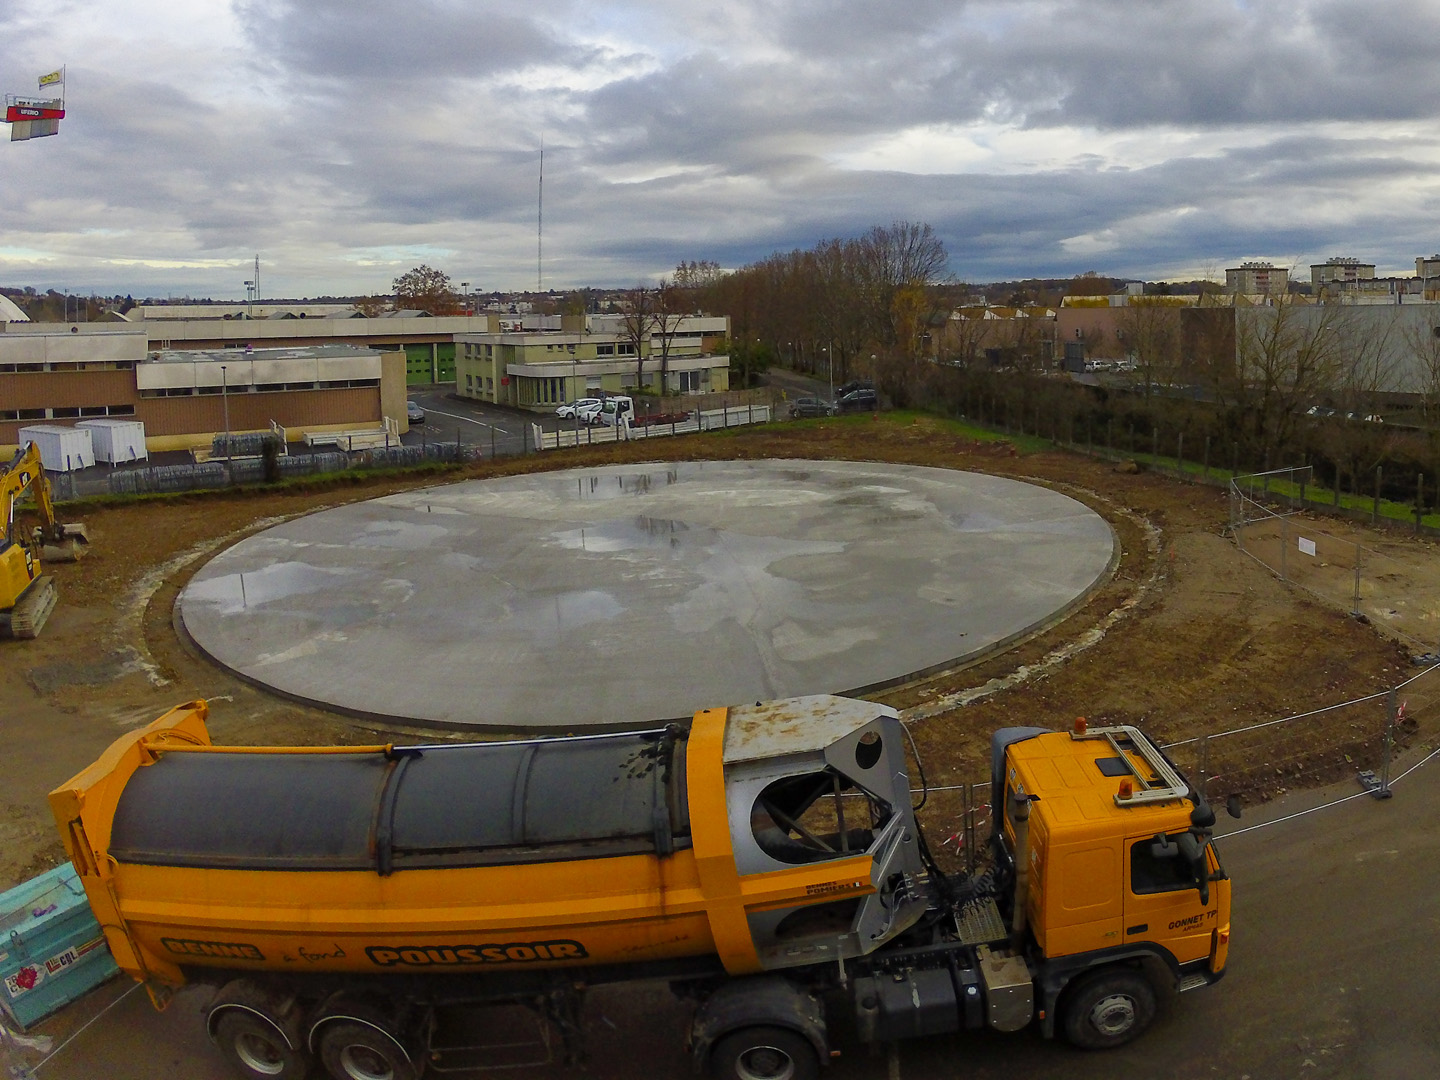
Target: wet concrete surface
626, 594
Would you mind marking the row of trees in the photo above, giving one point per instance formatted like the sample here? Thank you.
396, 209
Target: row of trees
1397, 462
834, 305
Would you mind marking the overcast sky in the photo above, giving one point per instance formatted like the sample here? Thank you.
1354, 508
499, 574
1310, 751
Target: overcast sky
346, 141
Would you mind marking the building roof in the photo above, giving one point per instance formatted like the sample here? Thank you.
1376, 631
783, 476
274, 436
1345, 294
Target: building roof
10, 313
293, 352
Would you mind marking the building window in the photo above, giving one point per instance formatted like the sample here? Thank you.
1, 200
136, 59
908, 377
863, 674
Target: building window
469, 381
604, 350
70, 413
549, 391
489, 385
689, 382
626, 348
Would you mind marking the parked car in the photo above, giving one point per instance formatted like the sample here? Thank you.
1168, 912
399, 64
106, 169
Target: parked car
414, 413
858, 401
853, 385
585, 410
811, 406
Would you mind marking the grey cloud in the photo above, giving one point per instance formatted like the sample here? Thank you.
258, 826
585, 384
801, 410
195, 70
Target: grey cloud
390, 128
415, 41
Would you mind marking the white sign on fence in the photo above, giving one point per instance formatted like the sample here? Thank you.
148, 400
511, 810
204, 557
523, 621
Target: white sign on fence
1307, 547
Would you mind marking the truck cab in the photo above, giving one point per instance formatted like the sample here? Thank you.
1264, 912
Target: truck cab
1113, 856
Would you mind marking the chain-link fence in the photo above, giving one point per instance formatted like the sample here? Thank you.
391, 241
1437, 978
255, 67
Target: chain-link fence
251, 470
1268, 523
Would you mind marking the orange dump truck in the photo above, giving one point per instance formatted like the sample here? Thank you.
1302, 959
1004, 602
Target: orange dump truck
362, 906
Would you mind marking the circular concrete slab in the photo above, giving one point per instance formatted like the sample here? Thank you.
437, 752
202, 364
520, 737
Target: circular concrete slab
623, 595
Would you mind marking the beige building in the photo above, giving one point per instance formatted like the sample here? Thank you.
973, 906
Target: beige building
1257, 278
591, 355
1341, 271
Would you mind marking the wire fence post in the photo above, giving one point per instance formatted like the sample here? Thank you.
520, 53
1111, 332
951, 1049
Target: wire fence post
1284, 547
1355, 604
968, 828
1203, 764
1391, 712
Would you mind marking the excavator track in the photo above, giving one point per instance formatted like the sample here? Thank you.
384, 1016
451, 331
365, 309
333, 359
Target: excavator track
27, 617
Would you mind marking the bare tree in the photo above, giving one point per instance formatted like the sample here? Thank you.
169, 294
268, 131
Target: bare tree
1365, 365
901, 256
1423, 343
638, 323
1284, 360
1149, 329
963, 337
670, 311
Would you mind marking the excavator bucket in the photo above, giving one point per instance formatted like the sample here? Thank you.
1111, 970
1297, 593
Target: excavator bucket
67, 547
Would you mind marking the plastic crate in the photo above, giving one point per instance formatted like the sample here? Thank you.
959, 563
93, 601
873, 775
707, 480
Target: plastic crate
51, 947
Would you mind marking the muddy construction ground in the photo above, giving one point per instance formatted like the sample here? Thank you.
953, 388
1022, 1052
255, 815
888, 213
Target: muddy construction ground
1190, 637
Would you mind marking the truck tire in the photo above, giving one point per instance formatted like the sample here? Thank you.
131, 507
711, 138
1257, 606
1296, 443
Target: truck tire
764, 1053
256, 1050
360, 1052
1108, 1009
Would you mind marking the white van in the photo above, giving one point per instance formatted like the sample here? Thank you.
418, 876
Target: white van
616, 412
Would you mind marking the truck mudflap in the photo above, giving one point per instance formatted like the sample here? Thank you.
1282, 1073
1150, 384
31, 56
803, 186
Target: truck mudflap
757, 1001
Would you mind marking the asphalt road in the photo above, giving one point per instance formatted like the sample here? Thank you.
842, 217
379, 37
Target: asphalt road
1334, 973
495, 430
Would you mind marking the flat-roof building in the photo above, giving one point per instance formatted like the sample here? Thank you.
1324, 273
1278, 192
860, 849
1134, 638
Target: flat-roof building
1257, 278
591, 355
183, 396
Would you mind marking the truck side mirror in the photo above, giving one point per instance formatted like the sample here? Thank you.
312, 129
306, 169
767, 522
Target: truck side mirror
1162, 848
1232, 806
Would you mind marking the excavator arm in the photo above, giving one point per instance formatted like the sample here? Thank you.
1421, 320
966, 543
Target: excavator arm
26, 595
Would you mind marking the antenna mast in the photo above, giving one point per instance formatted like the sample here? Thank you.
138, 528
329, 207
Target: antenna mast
540, 226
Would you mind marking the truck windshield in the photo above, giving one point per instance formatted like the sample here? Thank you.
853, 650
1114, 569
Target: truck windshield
816, 816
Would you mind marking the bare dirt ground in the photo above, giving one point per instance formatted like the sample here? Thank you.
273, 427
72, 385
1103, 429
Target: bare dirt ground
1189, 637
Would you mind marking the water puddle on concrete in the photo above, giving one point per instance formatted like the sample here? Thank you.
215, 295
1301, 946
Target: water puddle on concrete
231, 594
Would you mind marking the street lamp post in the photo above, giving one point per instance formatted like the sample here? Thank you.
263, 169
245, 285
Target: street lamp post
465, 294
225, 406
830, 367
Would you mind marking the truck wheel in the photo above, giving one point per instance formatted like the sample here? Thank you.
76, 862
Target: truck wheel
358, 1052
1108, 1009
764, 1053
256, 1049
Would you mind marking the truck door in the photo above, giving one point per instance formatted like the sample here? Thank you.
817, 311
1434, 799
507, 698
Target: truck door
1162, 901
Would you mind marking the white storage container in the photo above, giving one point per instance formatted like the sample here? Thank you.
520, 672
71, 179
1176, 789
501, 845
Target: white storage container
62, 449
116, 441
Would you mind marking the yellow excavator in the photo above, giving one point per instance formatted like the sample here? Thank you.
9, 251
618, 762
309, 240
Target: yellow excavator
27, 596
